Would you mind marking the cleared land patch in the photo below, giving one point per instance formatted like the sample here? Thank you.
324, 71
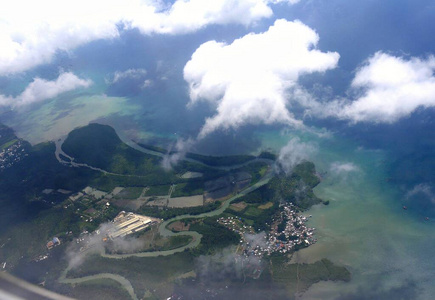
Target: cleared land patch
179, 226
239, 206
266, 205
189, 175
181, 202
130, 193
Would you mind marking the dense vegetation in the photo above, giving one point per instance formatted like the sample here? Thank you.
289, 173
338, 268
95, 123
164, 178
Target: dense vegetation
99, 146
6, 135
298, 278
21, 186
217, 161
214, 236
214, 161
267, 155
297, 187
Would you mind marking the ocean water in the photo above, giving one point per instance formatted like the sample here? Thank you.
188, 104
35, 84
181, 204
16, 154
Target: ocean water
388, 250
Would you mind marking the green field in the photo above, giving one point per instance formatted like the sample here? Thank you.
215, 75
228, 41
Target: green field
188, 189
8, 144
158, 190
253, 211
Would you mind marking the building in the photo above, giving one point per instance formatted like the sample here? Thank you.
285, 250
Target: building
128, 223
50, 245
53, 243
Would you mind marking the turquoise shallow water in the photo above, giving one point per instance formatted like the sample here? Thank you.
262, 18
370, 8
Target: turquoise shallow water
388, 250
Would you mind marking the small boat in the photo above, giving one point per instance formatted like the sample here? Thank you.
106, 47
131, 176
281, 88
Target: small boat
404, 207
427, 218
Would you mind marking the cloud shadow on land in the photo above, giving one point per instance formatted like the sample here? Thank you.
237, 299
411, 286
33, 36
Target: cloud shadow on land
229, 142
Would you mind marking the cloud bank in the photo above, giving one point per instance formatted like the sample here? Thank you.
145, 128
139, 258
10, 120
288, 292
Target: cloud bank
40, 89
388, 88
248, 80
31, 32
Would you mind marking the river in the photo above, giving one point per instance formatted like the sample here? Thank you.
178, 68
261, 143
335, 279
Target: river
196, 237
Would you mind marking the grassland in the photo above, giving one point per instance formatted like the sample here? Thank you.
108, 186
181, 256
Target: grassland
8, 144
158, 190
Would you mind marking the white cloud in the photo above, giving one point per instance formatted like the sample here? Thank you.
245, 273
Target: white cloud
147, 83
181, 148
31, 32
391, 88
294, 153
284, 1
248, 79
424, 190
187, 16
41, 89
128, 74
343, 168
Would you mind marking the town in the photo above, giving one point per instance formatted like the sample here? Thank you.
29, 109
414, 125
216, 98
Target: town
12, 153
288, 232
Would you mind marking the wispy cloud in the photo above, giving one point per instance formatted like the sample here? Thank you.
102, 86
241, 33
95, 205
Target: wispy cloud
94, 244
422, 189
293, 153
128, 74
181, 148
343, 167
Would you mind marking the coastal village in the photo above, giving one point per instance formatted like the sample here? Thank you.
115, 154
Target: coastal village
12, 153
288, 231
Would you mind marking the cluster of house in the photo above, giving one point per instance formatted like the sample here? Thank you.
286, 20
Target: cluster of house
287, 231
295, 232
12, 155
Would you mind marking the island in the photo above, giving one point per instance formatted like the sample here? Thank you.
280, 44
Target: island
90, 216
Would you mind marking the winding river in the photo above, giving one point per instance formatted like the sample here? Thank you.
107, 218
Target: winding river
196, 237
